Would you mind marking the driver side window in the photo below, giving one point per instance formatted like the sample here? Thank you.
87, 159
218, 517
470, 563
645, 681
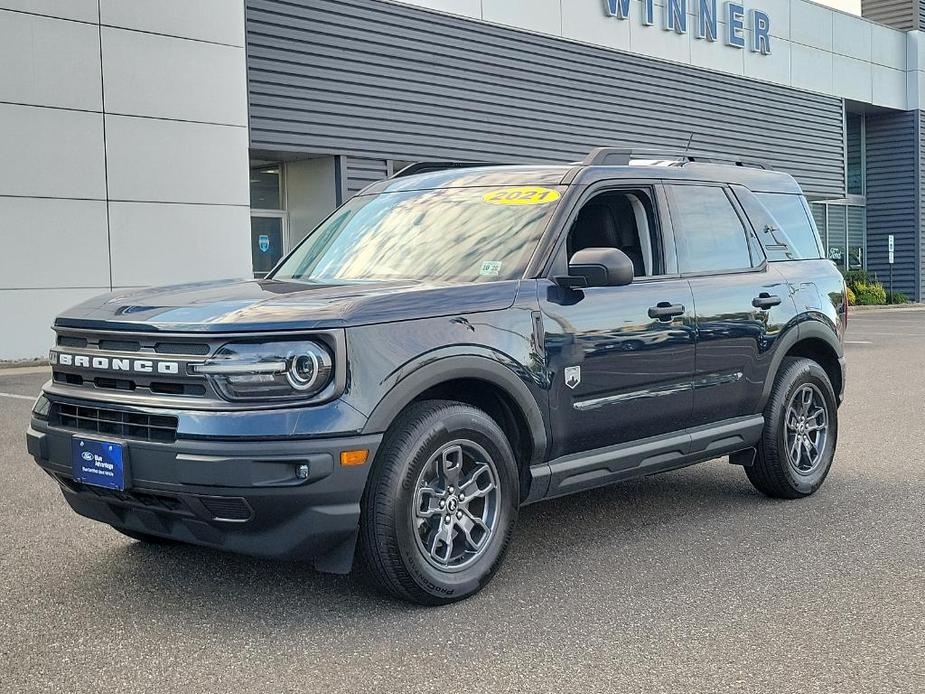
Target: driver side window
621, 219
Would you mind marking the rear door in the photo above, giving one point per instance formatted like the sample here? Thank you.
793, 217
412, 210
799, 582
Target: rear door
741, 302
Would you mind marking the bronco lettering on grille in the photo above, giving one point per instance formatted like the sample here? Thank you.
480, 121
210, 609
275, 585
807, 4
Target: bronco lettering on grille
144, 366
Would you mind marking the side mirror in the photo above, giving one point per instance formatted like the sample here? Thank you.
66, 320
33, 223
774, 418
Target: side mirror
602, 267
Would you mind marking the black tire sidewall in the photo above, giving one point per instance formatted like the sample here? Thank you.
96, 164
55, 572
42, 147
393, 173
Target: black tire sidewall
801, 373
456, 423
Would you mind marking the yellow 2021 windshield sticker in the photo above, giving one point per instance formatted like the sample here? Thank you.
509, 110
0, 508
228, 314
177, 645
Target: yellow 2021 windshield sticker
525, 195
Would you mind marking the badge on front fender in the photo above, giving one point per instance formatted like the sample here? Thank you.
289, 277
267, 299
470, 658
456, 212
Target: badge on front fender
572, 376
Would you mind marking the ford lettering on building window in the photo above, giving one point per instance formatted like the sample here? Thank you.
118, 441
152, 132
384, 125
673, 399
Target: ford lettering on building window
675, 16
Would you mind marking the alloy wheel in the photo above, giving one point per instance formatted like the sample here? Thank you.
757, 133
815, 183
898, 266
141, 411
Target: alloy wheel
806, 429
456, 505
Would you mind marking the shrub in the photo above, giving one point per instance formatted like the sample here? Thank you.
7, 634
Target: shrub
896, 298
852, 300
872, 294
853, 278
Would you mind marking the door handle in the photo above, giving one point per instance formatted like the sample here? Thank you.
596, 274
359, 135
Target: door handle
765, 300
665, 311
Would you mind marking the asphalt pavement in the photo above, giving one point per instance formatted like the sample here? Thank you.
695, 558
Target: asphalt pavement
684, 582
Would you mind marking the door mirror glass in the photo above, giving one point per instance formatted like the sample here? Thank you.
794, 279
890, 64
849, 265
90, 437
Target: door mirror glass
602, 267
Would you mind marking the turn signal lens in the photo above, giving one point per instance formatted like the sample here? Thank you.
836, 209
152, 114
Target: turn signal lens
348, 458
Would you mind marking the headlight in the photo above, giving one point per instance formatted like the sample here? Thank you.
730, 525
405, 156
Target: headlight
270, 370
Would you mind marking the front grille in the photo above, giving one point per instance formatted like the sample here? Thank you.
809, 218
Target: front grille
126, 425
232, 508
99, 379
153, 501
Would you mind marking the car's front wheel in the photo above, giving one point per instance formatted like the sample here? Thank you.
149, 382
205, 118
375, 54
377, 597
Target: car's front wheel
801, 430
440, 505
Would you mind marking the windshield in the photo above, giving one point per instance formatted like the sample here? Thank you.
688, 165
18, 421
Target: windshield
450, 235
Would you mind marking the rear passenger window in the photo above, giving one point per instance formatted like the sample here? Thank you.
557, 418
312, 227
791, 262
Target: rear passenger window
709, 235
794, 225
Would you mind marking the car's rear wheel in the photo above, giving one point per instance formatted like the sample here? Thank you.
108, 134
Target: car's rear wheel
801, 429
440, 504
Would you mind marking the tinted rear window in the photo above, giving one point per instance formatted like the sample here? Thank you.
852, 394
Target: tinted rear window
709, 235
794, 226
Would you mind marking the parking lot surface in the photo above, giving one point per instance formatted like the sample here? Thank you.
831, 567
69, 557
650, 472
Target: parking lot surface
684, 582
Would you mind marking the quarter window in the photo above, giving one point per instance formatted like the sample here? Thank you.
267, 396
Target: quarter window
709, 235
789, 211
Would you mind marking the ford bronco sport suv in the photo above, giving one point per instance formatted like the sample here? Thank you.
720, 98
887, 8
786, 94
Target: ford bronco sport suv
453, 343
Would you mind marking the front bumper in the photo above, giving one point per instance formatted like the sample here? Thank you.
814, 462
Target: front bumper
240, 496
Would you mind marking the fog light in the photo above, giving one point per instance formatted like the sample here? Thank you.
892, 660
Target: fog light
348, 458
301, 471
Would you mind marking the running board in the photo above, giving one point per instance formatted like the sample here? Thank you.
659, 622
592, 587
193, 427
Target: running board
603, 466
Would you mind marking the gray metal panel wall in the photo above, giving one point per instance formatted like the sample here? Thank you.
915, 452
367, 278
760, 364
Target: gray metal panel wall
893, 197
920, 236
901, 14
379, 80
362, 172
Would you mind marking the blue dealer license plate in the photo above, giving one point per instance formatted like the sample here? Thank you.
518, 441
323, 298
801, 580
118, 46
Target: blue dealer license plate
99, 463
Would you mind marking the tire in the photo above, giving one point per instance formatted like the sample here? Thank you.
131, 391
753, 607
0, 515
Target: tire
776, 471
144, 537
408, 498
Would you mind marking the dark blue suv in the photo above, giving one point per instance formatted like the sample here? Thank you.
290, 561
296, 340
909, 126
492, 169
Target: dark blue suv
451, 344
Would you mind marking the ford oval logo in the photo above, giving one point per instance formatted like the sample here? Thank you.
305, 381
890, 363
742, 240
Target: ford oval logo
87, 455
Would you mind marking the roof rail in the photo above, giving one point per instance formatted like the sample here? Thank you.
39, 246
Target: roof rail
623, 156
431, 166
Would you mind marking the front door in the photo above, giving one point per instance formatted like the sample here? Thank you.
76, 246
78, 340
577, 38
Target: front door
621, 359
618, 373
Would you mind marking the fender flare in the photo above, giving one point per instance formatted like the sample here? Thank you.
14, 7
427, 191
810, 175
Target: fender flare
449, 368
807, 330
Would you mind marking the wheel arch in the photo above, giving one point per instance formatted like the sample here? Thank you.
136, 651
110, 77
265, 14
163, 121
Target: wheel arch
483, 383
812, 340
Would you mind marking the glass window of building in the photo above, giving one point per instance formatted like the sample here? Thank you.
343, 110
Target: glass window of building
267, 188
855, 132
268, 218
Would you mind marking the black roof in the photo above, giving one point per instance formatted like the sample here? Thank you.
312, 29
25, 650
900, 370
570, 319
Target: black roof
756, 179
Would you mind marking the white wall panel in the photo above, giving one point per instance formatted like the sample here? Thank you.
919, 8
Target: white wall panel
852, 36
718, 56
811, 68
49, 62
852, 78
888, 47
220, 21
770, 68
30, 313
888, 87
53, 243
80, 10
811, 24
779, 12
655, 42
587, 22
170, 244
154, 160
54, 153
466, 8
535, 15
152, 75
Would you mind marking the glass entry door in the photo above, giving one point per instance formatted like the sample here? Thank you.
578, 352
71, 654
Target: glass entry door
843, 228
267, 242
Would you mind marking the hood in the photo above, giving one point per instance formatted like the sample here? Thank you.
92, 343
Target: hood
258, 305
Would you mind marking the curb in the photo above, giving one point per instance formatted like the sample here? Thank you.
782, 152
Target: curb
887, 307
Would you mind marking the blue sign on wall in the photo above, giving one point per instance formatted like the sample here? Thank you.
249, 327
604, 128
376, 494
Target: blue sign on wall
675, 18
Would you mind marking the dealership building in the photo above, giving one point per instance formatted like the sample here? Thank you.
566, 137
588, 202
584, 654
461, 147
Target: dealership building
173, 141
